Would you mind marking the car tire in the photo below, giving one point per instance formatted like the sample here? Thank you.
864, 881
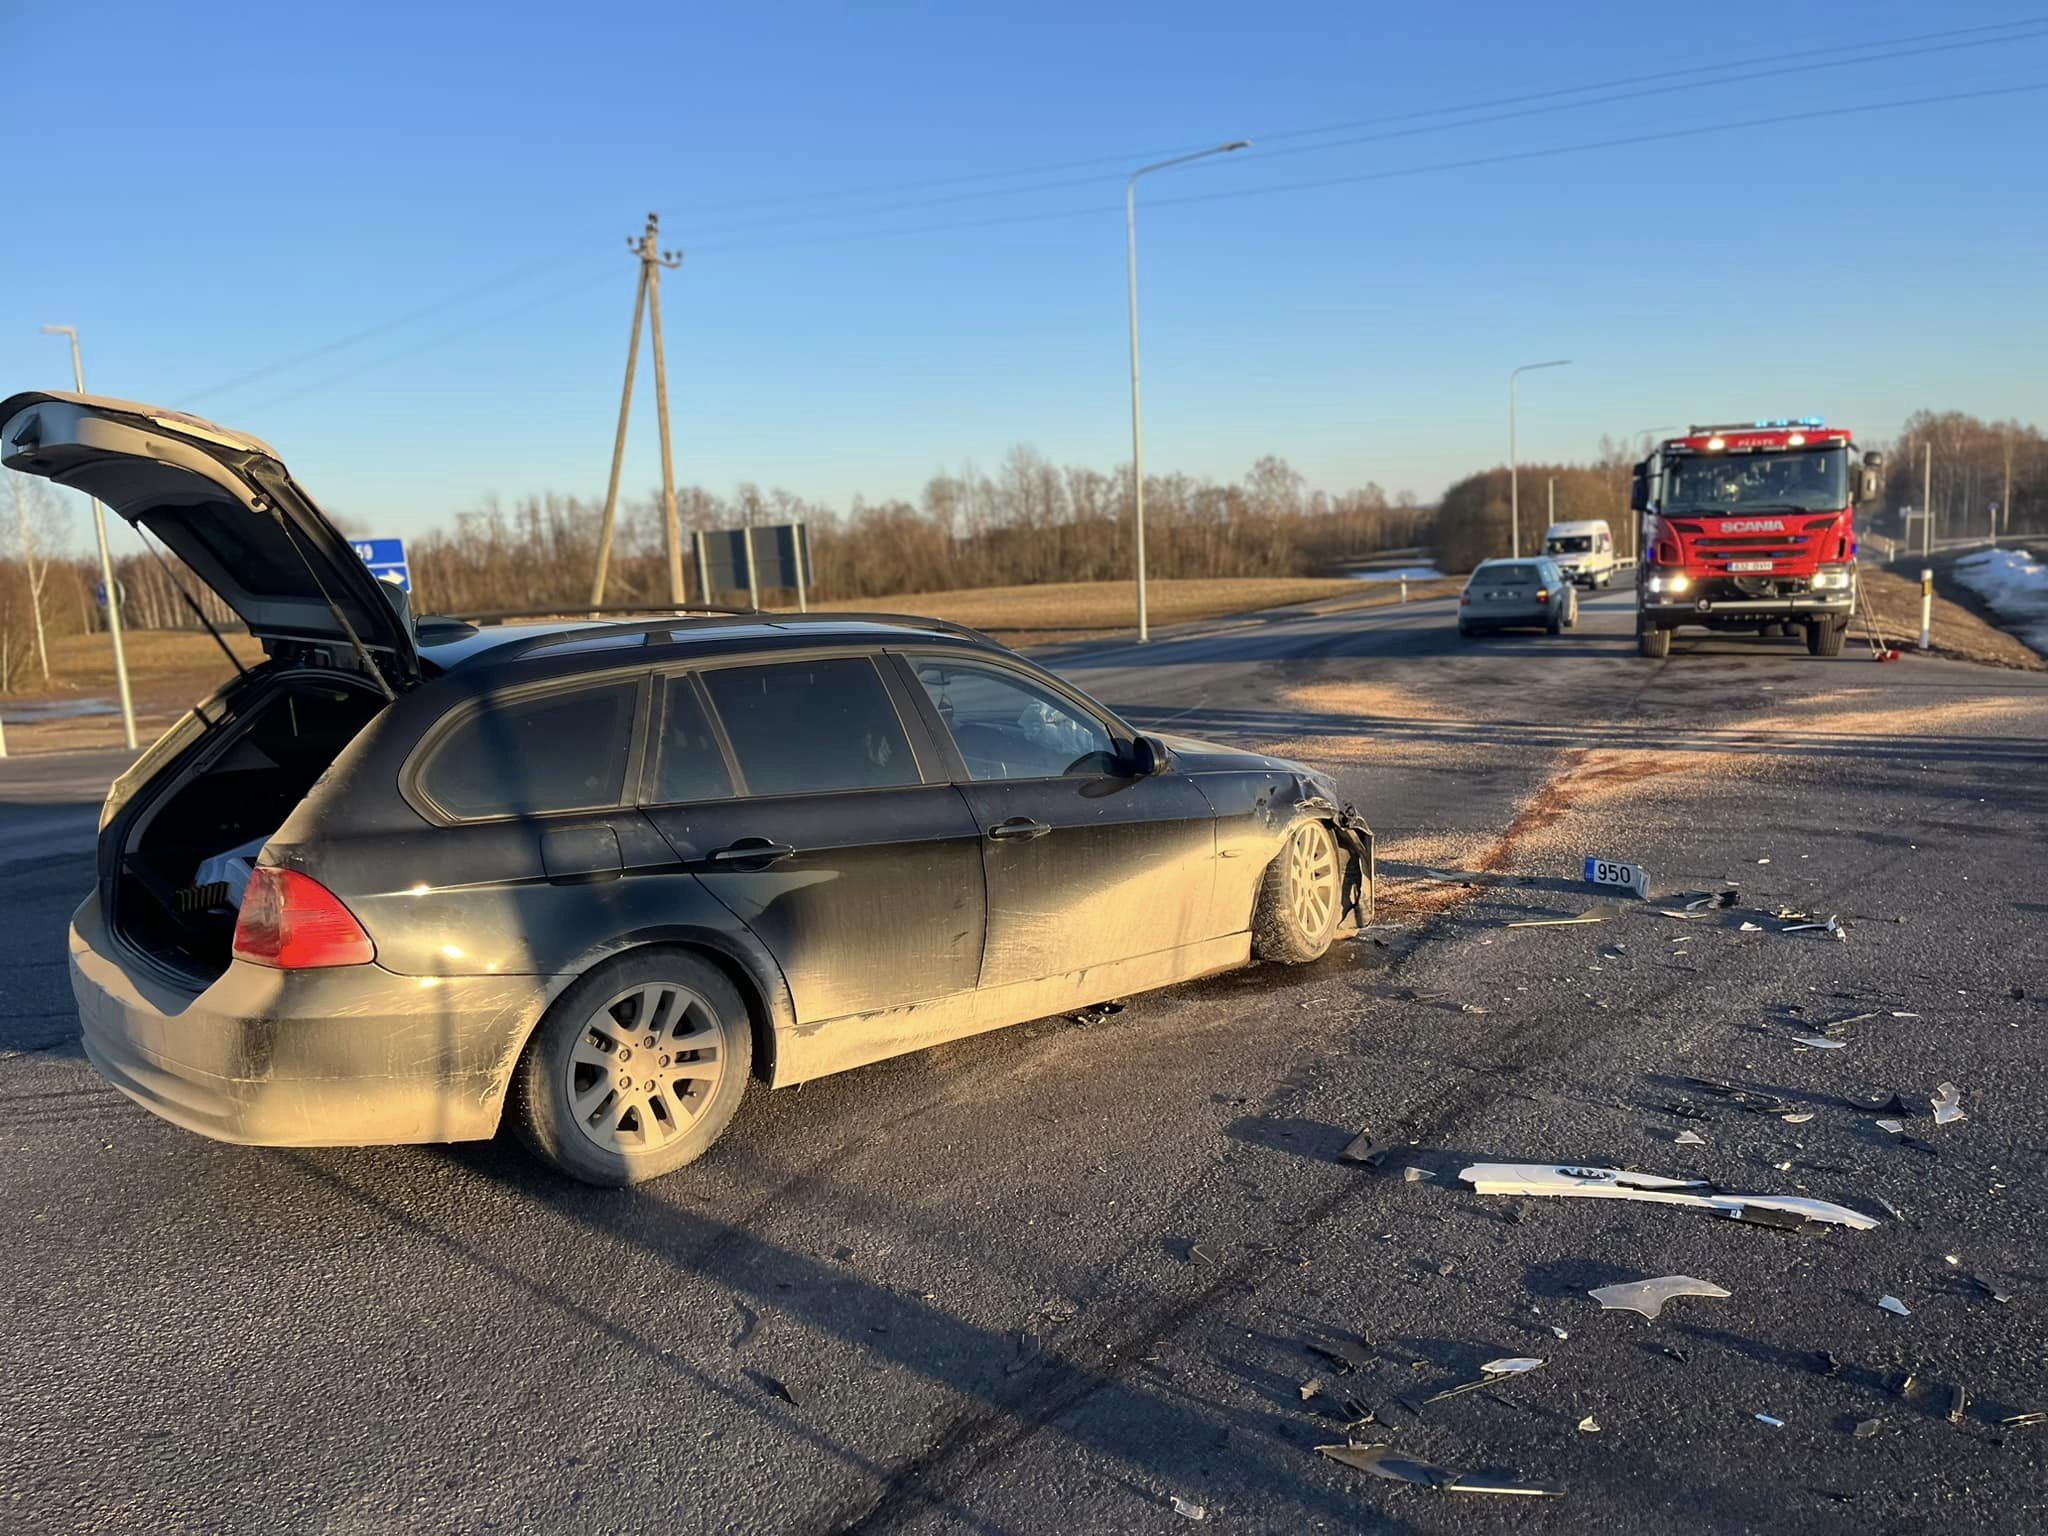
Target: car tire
1653, 641
1824, 637
1556, 624
1295, 917
585, 1103
1466, 631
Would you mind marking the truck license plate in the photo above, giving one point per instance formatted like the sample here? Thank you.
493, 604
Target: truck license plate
1631, 877
1749, 565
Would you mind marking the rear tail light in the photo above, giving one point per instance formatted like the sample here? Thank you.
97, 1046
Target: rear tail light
293, 922
1464, 598
1543, 594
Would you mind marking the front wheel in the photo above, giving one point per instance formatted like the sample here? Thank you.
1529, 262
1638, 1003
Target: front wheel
635, 1069
1824, 637
1296, 915
1652, 641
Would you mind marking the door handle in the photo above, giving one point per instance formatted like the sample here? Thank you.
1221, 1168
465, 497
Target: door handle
1017, 829
752, 850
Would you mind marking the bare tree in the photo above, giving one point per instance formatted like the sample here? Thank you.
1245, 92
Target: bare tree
40, 529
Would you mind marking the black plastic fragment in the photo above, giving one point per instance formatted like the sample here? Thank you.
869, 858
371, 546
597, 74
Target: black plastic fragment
1343, 1353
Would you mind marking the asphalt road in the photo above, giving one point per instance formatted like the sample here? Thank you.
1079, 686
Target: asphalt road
1053, 1279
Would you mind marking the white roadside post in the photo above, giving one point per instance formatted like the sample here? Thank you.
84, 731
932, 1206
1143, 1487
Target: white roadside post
1926, 608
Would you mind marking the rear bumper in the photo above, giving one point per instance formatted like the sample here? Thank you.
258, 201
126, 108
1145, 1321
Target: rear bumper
349, 1056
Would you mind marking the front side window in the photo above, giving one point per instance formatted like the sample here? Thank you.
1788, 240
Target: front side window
800, 727
1009, 727
528, 756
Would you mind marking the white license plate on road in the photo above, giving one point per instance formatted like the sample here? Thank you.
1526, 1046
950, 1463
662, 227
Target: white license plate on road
1751, 565
1632, 877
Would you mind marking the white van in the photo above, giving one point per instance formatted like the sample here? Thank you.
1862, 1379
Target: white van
1585, 550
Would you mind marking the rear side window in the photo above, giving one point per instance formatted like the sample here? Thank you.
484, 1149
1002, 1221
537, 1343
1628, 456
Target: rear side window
690, 765
525, 757
798, 727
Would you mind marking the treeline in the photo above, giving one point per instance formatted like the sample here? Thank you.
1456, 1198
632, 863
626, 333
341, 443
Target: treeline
1034, 521
1974, 464
1473, 523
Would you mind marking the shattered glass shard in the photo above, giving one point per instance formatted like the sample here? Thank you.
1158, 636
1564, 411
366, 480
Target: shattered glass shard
1648, 1296
1948, 1104
1512, 1366
1895, 1306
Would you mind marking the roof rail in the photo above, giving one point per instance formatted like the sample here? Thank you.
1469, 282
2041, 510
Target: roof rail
720, 618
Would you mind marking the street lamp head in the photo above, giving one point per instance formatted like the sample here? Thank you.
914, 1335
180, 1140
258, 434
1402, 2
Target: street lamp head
60, 330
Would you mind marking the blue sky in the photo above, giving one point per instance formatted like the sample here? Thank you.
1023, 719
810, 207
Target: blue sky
217, 196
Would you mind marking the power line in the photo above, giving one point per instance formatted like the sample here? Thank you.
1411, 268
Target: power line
786, 221
1098, 209
1129, 157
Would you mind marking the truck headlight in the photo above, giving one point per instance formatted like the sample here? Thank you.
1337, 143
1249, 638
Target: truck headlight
1676, 582
1831, 578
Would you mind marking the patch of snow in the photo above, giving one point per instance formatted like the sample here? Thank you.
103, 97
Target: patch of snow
2015, 584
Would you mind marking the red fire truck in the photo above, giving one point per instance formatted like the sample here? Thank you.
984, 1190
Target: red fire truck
1751, 526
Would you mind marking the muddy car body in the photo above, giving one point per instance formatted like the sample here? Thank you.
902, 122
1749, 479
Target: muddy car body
603, 875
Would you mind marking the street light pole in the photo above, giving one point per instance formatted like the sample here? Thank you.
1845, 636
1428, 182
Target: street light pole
99, 528
1137, 413
1514, 481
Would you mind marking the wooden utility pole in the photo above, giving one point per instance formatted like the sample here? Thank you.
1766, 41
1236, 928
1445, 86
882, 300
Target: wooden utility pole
647, 299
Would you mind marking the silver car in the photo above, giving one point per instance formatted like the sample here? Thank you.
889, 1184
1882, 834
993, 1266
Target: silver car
1518, 594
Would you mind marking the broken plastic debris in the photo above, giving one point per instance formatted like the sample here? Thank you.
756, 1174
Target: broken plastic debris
1192, 1511
1648, 1296
1559, 1331
1512, 1366
1820, 1043
1363, 1149
2024, 1420
1486, 1482
1414, 1175
1896, 1127
1589, 1425
1765, 1418
1599, 914
1869, 1427
1797, 1119
1749, 927
1893, 1305
1384, 1461
1689, 1139
1619, 1184
1343, 1354
1948, 1104
1986, 1288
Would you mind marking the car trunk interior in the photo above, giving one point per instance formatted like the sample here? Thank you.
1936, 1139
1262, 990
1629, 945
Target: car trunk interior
175, 890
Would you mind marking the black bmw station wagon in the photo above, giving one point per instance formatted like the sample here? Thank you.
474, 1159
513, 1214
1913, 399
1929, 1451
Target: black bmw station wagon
407, 876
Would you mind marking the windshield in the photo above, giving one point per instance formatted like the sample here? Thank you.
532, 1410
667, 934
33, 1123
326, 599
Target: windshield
1577, 544
1813, 481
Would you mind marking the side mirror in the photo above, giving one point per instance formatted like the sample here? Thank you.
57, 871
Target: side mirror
1639, 488
1149, 756
1874, 460
1869, 485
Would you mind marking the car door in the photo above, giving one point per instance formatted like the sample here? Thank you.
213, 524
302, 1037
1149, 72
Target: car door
1086, 863
794, 790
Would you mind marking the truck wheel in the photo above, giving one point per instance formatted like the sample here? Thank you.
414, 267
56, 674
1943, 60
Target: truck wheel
635, 1069
1824, 637
1653, 642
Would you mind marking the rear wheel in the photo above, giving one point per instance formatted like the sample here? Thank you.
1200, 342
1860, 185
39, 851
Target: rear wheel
1296, 915
635, 1069
1556, 624
1652, 641
1824, 637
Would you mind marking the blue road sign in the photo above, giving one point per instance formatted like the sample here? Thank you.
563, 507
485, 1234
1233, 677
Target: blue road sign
386, 559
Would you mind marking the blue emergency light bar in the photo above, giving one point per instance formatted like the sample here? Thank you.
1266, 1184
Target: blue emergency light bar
1789, 422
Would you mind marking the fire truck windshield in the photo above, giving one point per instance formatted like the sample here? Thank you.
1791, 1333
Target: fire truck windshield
1708, 485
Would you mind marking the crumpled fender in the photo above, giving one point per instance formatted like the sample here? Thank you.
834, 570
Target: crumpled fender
1354, 834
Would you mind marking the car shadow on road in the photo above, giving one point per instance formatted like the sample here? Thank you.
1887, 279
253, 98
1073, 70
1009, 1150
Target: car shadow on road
907, 1332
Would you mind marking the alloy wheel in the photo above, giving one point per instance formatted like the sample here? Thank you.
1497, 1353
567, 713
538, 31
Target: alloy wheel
644, 1067
1312, 878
